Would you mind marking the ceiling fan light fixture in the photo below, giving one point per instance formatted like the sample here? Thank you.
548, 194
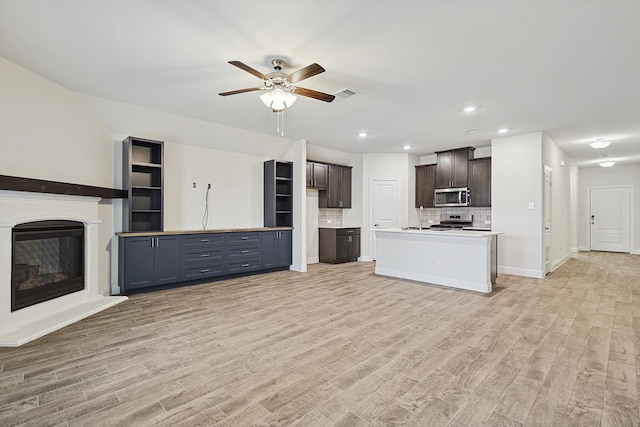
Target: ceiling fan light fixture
278, 99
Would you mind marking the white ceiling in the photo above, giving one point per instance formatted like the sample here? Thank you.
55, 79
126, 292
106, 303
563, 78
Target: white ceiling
568, 68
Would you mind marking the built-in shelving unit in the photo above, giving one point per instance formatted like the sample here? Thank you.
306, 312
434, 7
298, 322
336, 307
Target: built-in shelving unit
144, 180
278, 194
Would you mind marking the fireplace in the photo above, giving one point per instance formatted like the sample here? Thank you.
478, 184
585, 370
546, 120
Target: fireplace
47, 261
67, 253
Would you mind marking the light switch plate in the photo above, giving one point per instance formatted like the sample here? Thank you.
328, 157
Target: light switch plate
531, 205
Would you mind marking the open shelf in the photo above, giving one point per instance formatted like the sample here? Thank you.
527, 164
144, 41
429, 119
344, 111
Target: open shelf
278, 194
144, 180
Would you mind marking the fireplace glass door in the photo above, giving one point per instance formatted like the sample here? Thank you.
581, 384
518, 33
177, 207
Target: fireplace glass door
47, 261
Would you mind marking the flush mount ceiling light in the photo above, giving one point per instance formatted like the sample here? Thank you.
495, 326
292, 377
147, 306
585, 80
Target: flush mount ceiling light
406, 147
599, 144
503, 130
607, 164
469, 108
363, 134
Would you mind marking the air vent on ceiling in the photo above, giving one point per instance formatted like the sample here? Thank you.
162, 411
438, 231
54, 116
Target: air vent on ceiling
344, 94
472, 131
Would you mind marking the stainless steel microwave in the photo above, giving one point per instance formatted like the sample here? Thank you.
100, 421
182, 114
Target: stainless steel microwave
451, 197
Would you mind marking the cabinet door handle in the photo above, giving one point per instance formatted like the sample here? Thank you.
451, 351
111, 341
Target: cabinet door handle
245, 265
349, 231
244, 252
244, 238
153, 244
204, 270
204, 255
204, 240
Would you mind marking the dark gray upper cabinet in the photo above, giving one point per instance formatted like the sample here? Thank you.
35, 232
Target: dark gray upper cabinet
338, 192
480, 181
317, 175
143, 179
452, 170
425, 185
278, 194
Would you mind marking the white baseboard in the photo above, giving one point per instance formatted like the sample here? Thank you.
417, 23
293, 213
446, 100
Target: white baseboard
365, 259
525, 272
301, 268
584, 249
313, 260
635, 252
573, 250
562, 261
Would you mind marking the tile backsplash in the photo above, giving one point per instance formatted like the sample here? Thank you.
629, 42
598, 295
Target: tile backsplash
480, 215
329, 217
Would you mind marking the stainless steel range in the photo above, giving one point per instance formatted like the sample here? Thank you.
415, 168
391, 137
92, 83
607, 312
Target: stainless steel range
448, 222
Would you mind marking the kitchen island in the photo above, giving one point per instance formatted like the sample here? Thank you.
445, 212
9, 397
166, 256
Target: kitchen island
465, 259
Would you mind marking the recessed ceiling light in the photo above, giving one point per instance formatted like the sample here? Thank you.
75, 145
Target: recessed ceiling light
363, 134
470, 108
606, 164
503, 130
600, 143
407, 147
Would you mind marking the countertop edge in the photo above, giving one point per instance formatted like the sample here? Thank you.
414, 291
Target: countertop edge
457, 233
219, 230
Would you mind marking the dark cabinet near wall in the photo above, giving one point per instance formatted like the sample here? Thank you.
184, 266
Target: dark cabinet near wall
278, 194
338, 192
143, 179
149, 261
339, 244
452, 170
317, 175
480, 181
276, 249
155, 261
425, 185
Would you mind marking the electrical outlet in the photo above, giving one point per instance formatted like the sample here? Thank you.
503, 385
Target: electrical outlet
430, 221
209, 186
487, 222
191, 185
531, 205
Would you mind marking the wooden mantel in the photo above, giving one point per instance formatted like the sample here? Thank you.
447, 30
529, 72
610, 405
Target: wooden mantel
15, 183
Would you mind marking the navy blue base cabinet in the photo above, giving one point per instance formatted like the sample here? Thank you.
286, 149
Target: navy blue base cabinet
150, 261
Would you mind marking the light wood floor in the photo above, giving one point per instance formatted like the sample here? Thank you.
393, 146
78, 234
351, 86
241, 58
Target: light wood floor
341, 346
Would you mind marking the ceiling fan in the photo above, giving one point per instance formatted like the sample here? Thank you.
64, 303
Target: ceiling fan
280, 88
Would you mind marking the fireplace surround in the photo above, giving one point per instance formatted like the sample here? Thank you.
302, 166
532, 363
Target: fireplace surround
21, 325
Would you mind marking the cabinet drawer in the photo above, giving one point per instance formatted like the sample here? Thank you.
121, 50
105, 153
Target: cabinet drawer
244, 251
200, 256
243, 265
202, 240
347, 231
198, 272
239, 238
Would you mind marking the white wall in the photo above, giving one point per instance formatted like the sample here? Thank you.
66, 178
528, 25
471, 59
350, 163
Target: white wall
516, 181
236, 196
561, 223
384, 166
594, 177
298, 155
47, 132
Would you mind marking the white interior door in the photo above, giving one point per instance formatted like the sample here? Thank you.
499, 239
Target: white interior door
610, 219
385, 210
547, 220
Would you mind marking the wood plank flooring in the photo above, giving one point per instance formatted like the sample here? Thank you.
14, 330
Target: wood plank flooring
341, 346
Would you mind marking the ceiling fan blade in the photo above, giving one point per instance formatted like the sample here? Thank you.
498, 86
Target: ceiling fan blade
314, 94
305, 73
234, 92
248, 69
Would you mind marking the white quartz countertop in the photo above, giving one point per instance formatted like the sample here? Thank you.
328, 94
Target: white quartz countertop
444, 233
338, 226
